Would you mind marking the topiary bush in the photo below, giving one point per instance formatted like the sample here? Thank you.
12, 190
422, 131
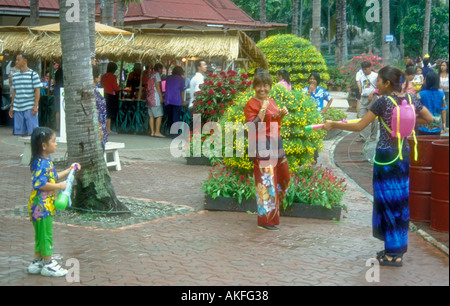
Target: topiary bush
295, 55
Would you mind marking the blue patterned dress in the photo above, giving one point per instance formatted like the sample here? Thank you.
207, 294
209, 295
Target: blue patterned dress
391, 183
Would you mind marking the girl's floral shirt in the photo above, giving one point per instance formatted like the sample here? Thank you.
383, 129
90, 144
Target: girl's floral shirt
41, 203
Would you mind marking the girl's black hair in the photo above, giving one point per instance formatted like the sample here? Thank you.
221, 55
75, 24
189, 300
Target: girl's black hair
111, 67
39, 136
285, 75
316, 77
432, 81
393, 75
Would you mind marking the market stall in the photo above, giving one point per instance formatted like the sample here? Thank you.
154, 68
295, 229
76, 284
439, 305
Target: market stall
145, 46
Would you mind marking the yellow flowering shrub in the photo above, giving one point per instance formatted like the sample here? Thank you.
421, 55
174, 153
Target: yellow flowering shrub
299, 144
295, 55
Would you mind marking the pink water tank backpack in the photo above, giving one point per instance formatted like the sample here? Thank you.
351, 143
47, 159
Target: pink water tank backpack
403, 122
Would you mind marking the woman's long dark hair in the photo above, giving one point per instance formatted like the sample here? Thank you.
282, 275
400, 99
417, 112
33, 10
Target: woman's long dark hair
393, 75
39, 136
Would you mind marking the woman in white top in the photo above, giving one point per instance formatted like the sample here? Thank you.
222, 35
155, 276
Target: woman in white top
443, 84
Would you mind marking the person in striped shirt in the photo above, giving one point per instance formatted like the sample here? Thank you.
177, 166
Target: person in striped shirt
26, 93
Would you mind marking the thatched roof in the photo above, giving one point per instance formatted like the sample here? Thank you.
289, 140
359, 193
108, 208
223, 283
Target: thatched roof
99, 28
144, 45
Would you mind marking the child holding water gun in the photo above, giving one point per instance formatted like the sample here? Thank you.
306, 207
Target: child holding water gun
41, 202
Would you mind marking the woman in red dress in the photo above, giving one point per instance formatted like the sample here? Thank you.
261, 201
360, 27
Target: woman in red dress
271, 169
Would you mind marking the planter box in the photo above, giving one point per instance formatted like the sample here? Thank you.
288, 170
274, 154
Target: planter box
296, 210
352, 104
202, 160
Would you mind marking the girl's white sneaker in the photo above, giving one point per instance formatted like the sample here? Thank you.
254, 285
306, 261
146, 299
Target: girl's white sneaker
53, 269
36, 266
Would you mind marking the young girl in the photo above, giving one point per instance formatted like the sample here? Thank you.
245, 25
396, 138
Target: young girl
417, 82
284, 79
40, 205
390, 174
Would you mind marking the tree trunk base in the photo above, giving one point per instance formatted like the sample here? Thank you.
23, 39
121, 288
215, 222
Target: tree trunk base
98, 199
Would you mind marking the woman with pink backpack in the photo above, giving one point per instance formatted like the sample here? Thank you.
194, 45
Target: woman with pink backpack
397, 113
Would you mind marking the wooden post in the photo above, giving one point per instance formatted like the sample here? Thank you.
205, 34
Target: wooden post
120, 78
50, 78
140, 82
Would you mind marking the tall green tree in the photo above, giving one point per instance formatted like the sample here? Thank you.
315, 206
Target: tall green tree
413, 30
93, 190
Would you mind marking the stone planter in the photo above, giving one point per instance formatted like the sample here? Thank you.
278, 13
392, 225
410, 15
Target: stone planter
352, 104
298, 210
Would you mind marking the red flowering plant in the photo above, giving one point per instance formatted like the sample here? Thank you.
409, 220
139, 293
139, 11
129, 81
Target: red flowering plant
226, 182
218, 92
348, 72
315, 185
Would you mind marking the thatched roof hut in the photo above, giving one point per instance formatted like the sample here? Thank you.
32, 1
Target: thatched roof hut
144, 45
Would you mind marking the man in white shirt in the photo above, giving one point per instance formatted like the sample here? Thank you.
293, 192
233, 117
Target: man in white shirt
194, 85
367, 87
197, 80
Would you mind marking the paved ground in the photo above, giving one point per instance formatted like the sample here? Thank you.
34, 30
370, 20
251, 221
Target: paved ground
204, 248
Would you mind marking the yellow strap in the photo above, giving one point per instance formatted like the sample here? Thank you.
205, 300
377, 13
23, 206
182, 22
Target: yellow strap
398, 132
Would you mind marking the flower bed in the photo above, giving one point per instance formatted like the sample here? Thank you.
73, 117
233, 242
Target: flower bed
311, 185
218, 92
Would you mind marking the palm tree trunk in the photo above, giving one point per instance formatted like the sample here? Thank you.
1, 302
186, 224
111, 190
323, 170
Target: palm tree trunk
315, 37
341, 33
34, 12
120, 13
300, 30
107, 12
386, 29
262, 10
295, 17
329, 26
91, 21
93, 190
426, 28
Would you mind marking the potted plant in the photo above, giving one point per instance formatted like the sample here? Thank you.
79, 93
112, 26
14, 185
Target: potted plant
334, 114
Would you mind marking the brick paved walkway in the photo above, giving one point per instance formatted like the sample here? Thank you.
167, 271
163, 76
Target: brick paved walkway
202, 248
